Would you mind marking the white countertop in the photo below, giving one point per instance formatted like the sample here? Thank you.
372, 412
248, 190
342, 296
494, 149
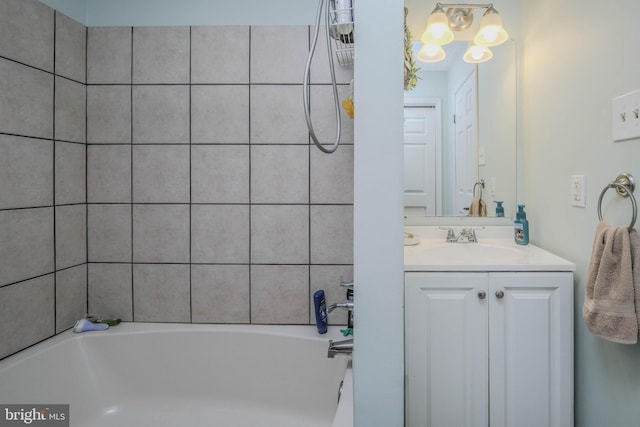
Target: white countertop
494, 251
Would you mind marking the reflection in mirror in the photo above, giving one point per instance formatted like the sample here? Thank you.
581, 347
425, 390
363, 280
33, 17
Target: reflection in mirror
460, 129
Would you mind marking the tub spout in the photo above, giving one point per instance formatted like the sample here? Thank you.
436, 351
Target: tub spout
340, 347
347, 305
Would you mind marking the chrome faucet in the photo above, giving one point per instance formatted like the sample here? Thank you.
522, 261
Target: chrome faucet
347, 305
467, 235
345, 346
340, 347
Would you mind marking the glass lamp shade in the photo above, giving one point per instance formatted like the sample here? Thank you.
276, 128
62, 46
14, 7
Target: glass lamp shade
476, 54
491, 32
438, 28
431, 52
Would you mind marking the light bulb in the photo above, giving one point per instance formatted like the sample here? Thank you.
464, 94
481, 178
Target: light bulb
490, 34
438, 30
476, 54
431, 52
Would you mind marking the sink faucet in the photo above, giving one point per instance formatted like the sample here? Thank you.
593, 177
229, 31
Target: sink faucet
467, 235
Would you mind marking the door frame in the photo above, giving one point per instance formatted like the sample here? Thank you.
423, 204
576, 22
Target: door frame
471, 76
436, 104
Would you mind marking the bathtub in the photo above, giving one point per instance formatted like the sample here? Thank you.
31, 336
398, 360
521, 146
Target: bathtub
158, 374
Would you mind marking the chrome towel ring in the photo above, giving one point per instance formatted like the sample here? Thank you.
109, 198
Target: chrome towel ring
624, 185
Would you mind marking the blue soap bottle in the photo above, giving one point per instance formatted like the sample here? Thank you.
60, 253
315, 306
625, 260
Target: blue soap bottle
521, 227
499, 208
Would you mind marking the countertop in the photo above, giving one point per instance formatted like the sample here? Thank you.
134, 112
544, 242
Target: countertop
494, 251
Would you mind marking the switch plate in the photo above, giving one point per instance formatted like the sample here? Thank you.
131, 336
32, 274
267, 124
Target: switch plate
482, 160
626, 116
578, 190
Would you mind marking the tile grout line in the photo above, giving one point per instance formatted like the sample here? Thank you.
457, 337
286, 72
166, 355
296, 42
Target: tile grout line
131, 177
55, 260
250, 201
86, 162
190, 177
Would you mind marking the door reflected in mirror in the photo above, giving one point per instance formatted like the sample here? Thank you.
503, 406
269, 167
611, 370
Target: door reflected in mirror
460, 129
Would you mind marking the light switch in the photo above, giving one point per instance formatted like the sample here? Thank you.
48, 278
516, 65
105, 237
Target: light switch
626, 116
578, 190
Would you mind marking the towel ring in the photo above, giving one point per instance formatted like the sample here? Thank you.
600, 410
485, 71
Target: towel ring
481, 184
624, 186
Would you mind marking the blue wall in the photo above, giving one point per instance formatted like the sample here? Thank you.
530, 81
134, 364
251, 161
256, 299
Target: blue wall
187, 12
76, 9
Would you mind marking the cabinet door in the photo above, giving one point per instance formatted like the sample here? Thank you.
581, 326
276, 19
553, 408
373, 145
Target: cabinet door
446, 349
531, 349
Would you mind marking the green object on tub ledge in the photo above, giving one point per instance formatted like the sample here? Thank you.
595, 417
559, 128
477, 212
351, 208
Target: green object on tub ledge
347, 332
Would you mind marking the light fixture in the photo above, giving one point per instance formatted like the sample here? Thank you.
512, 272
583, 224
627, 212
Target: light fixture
442, 26
431, 52
438, 27
491, 32
476, 54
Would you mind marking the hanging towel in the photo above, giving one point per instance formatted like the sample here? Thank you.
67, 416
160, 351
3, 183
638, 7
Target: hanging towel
609, 306
634, 240
478, 207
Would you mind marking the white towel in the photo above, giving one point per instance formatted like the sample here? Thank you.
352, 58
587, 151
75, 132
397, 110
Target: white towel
609, 305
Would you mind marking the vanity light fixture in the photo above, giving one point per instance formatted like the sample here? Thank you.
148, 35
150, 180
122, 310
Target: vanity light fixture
442, 26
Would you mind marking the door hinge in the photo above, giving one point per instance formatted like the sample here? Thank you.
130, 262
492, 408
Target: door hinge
454, 119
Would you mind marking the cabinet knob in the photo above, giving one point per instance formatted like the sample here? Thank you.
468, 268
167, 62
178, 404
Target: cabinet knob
482, 294
499, 294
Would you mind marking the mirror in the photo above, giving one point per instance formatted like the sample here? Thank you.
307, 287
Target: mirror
479, 147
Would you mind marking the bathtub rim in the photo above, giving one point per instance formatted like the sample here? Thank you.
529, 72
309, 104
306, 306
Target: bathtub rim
305, 332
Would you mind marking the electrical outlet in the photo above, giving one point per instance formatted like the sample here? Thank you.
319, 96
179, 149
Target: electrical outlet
578, 190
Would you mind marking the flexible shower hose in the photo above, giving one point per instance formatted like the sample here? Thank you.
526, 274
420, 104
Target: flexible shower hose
305, 83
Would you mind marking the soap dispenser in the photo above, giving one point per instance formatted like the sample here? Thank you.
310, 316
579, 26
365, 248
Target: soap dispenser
521, 227
499, 208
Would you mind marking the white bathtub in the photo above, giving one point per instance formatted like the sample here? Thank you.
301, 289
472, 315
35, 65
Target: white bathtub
157, 374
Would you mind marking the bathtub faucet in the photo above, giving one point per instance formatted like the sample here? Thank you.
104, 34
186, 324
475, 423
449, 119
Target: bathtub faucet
346, 305
340, 347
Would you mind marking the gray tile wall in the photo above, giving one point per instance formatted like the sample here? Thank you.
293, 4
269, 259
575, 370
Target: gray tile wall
164, 174
43, 257
206, 201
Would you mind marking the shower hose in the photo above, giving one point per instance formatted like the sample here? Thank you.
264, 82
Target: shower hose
305, 83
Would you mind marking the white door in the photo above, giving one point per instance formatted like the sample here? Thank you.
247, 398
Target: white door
446, 349
420, 134
466, 142
531, 349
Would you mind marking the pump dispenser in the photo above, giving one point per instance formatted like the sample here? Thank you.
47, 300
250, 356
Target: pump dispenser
521, 227
499, 208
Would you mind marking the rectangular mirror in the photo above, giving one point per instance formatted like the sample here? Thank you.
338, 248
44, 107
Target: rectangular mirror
461, 129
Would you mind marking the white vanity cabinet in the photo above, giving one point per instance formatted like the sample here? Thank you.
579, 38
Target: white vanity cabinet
489, 348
